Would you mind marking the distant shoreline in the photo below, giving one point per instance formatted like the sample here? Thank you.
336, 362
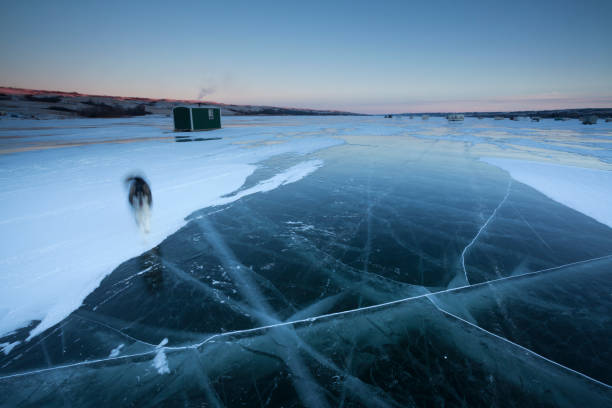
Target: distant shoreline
46, 104
575, 113
43, 104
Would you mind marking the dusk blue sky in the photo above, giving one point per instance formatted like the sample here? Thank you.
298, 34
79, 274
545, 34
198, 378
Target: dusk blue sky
370, 56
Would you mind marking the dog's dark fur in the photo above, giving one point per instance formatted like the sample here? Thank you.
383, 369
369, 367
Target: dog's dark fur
140, 199
139, 192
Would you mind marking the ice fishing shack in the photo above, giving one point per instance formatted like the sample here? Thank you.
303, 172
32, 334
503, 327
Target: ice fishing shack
191, 119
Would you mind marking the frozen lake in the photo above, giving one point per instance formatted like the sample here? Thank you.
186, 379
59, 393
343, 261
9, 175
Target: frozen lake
307, 261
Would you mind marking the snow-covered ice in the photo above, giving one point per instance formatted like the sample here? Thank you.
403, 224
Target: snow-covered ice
322, 261
588, 191
116, 351
7, 347
66, 222
160, 362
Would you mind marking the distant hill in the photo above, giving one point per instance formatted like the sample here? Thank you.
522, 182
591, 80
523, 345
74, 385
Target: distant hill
41, 104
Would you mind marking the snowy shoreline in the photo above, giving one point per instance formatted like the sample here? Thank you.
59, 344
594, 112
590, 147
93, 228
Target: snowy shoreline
587, 191
66, 223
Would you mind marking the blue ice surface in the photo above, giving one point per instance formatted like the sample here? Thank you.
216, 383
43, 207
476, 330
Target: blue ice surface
404, 271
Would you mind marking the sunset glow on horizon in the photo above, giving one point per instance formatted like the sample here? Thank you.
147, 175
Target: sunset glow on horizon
361, 57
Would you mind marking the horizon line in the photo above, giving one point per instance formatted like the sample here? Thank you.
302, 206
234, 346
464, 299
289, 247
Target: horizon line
30, 91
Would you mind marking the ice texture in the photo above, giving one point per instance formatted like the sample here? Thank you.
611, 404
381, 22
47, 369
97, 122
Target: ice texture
116, 351
66, 222
7, 347
161, 363
339, 261
382, 355
588, 191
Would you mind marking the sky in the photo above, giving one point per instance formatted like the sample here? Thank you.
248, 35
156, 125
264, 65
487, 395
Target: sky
359, 56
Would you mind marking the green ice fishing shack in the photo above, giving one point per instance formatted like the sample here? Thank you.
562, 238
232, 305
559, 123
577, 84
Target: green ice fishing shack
190, 119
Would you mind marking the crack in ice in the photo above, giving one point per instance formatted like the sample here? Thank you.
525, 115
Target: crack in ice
311, 320
532, 229
518, 345
482, 229
115, 330
304, 383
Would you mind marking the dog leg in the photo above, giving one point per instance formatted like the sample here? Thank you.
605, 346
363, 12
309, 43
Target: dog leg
145, 217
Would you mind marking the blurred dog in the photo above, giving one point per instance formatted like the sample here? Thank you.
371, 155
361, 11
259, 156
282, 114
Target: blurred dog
141, 200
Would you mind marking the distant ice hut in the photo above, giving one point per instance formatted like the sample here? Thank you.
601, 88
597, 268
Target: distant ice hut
589, 120
191, 119
454, 117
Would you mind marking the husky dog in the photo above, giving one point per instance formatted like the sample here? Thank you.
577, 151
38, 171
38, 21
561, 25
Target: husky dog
140, 199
